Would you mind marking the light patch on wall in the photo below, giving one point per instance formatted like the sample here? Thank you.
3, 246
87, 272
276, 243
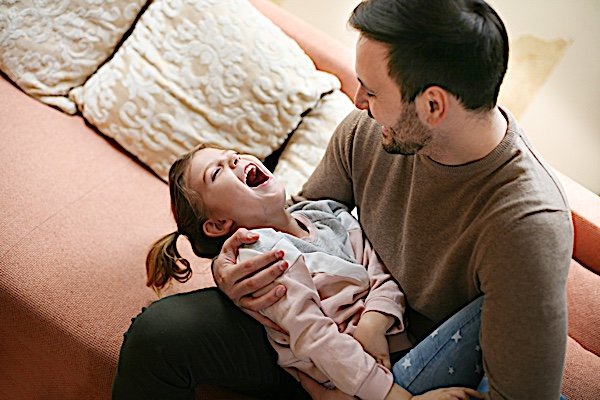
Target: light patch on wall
530, 63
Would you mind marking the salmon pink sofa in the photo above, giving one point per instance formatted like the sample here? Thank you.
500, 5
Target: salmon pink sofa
80, 209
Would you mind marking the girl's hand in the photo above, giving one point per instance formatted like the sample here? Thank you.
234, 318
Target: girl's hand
248, 284
370, 333
320, 392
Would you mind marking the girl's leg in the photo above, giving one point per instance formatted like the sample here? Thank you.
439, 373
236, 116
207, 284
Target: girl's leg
450, 356
198, 338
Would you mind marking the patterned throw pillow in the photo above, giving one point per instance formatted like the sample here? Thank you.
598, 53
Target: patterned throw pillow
307, 145
49, 47
210, 71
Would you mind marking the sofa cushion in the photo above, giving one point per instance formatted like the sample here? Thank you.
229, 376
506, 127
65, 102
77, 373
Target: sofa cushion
307, 144
583, 294
78, 217
216, 72
48, 47
582, 369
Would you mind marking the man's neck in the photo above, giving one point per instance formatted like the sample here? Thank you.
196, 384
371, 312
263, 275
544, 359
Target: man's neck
468, 137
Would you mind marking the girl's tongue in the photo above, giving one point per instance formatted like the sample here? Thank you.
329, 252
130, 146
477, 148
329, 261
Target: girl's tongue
255, 176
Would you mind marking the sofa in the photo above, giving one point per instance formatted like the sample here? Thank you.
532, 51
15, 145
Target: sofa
81, 205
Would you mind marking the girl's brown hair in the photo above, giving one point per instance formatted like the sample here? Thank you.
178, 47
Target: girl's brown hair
164, 262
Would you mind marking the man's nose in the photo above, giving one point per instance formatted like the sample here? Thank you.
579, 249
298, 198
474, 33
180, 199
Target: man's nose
360, 99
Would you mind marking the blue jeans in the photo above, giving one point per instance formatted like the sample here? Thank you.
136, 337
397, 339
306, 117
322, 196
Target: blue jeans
450, 356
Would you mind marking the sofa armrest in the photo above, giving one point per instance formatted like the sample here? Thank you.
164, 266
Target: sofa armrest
328, 54
585, 209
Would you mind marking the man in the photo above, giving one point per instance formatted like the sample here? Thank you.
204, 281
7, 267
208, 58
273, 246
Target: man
449, 192
457, 203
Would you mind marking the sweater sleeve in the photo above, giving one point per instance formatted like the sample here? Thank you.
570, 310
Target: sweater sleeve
524, 316
384, 294
331, 178
313, 338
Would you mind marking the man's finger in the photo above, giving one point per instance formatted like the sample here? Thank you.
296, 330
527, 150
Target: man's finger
474, 393
234, 242
245, 280
264, 276
264, 301
248, 269
264, 290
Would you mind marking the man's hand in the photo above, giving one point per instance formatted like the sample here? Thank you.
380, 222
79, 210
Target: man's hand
452, 393
249, 284
370, 333
320, 392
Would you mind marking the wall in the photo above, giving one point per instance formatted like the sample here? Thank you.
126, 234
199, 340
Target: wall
562, 118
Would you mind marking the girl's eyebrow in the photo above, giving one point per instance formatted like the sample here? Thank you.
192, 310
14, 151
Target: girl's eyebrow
213, 163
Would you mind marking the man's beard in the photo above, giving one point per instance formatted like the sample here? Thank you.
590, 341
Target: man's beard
415, 135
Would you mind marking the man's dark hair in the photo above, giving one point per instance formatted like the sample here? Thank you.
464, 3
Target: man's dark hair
458, 45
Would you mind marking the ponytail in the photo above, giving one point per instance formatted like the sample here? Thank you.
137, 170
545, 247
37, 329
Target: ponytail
163, 263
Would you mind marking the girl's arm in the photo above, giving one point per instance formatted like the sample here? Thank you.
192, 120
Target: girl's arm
312, 342
384, 295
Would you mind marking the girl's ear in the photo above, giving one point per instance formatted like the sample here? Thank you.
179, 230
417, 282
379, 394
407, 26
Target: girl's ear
217, 227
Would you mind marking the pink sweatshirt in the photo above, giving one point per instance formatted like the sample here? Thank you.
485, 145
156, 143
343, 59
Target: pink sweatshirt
326, 295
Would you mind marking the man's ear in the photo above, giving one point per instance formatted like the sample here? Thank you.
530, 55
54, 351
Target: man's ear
432, 105
217, 227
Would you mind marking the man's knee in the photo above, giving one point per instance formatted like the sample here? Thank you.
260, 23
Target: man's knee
168, 338
174, 320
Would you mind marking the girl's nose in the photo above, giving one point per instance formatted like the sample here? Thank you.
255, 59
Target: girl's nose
233, 160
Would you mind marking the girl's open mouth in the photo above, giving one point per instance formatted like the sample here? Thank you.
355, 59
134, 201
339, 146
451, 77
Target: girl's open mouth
254, 176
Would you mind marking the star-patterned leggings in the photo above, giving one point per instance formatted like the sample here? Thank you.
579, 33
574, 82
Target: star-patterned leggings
450, 356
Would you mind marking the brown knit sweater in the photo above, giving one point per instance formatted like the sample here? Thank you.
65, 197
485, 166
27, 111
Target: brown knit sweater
499, 226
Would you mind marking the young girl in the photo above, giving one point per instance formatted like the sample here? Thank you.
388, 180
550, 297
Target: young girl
340, 302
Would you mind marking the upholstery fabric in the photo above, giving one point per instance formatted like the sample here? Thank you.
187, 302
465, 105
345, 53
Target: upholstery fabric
209, 71
582, 369
585, 209
307, 144
78, 217
49, 47
583, 294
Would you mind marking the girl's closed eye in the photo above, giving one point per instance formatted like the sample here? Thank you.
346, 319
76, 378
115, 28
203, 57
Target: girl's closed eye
215, 173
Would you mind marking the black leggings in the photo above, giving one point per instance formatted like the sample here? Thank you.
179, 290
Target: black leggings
196, 338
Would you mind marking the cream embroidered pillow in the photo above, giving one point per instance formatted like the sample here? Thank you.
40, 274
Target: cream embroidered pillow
211, 71
48, 47
309, 141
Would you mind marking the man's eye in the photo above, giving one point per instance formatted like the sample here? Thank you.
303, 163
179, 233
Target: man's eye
214, 174
370, 94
